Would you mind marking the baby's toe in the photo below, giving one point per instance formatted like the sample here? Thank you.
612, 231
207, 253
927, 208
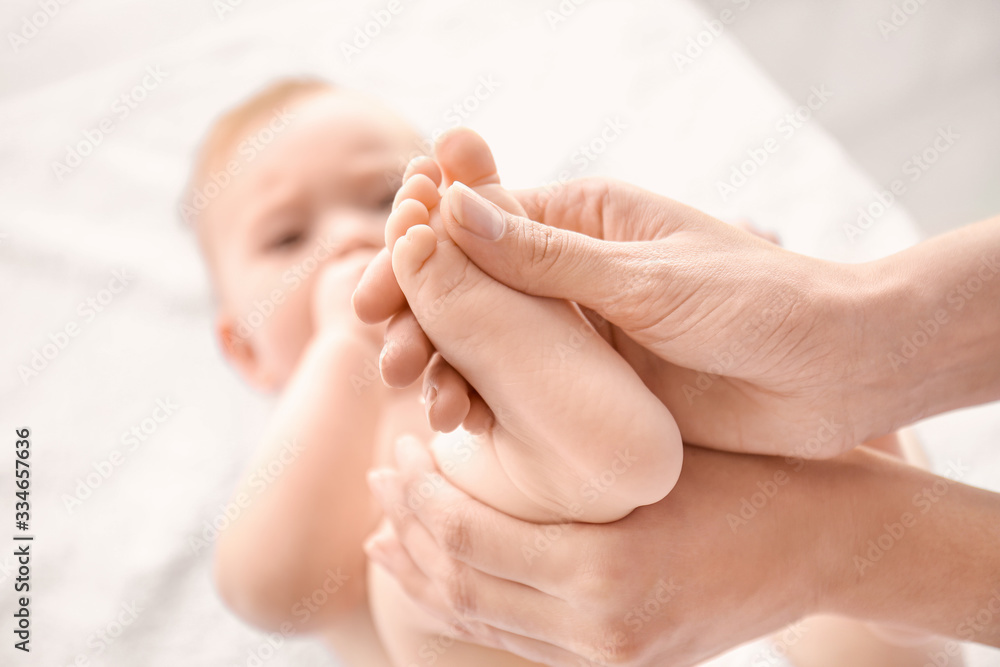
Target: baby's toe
408, 214
419, 187
465, 157
408, 257
425, 165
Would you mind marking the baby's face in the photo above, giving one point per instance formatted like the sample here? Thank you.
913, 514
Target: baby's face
312, 195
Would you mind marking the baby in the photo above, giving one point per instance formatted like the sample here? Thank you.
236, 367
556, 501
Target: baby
305, 180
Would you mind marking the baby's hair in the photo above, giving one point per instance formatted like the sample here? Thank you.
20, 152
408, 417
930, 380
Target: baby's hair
233, 126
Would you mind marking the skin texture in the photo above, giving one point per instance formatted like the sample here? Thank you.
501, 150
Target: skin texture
575, 596
752, 357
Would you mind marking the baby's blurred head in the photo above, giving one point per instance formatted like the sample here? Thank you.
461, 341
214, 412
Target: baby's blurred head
297, 181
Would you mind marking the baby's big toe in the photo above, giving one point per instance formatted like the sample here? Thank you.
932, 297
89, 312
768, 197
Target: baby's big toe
465, 157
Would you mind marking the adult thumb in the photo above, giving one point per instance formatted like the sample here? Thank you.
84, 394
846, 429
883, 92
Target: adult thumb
534, 258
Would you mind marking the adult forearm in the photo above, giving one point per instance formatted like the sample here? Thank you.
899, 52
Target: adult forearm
925, 552
933, 313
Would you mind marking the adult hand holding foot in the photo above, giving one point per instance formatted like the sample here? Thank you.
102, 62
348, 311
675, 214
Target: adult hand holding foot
676, 582
753, 347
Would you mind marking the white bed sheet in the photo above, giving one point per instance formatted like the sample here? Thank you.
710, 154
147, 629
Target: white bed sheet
61, 242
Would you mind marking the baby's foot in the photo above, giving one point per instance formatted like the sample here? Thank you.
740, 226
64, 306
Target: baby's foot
574, 425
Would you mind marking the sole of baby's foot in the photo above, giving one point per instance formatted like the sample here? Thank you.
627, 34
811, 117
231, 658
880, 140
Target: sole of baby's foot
573, 423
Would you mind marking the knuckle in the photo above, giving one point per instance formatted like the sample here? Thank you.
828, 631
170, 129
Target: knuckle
546, 249
456, 537
597, 579
612, 645
627, 653
591, 187
460, 594
482, 634
638, 295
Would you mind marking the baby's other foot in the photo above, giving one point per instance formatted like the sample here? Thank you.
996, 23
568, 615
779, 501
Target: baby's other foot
574, 425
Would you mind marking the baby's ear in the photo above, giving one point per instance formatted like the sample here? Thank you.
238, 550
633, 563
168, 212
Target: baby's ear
239, 351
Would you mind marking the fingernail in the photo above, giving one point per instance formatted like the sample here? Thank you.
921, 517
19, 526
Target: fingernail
384, 357
474, 213
430, 396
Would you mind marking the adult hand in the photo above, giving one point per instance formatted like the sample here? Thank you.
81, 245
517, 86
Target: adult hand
742, 546
752, 347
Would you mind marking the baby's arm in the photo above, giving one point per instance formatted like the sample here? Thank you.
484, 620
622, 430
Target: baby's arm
304, 529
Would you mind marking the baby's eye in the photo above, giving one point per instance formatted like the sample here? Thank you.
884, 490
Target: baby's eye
286, 241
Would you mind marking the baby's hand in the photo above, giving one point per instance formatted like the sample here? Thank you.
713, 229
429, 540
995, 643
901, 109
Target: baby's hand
332, 308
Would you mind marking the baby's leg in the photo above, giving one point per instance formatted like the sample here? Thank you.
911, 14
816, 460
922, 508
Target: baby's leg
574, 426
831, 641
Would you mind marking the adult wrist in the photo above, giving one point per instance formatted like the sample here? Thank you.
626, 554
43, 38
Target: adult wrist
821, 516
853, 319
864, 493
888, 378
919, 551
931, 326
